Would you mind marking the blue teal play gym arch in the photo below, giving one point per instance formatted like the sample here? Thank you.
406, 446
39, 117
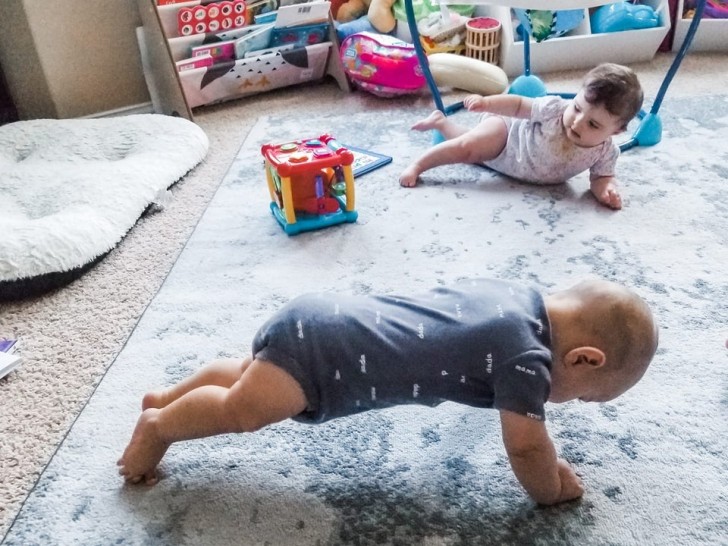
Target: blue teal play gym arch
649, 130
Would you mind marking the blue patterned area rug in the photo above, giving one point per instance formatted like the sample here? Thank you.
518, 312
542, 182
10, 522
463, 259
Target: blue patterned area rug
653, 461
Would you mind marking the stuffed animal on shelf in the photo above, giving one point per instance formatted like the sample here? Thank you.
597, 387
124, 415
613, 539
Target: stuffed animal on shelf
381, 16
422, 10
544, 24
365, 16
351, 10
335, 5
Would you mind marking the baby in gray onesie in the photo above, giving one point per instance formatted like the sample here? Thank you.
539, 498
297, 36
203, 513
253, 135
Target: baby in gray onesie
485, 343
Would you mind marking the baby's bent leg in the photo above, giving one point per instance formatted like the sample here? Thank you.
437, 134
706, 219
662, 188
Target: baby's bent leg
441, 123
263, 395
481, 143
223, 372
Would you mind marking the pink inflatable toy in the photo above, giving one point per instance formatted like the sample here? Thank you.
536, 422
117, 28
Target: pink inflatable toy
381, 64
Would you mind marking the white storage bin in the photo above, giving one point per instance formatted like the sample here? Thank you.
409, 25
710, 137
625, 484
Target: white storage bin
579, 48
712, 34
254, 74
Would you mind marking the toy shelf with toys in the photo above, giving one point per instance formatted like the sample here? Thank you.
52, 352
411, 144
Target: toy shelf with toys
584, 44
228, 49
712, 33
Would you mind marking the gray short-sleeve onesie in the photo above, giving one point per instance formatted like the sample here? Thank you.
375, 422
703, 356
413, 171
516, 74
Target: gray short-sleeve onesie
482, 342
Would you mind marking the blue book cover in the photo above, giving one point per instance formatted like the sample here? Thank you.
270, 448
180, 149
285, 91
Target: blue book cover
366, 161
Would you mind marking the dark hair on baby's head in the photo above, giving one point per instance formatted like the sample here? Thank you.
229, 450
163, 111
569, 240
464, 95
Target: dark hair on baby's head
615, 87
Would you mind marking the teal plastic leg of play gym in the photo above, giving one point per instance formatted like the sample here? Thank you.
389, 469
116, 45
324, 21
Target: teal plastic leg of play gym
649, 131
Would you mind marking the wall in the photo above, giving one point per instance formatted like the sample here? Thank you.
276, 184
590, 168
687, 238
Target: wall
8, 113
71, 58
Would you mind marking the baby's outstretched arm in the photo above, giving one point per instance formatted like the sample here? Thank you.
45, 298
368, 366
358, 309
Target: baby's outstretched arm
514, 106
546, 478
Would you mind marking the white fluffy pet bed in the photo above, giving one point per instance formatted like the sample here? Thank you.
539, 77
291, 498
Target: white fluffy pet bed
71, 189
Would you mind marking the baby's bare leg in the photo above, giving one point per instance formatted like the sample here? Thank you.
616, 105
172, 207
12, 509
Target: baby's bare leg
263, 395
223, 373
440, 122
481, 143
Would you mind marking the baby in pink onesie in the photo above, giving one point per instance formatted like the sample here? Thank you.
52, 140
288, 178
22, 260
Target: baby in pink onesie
545, 140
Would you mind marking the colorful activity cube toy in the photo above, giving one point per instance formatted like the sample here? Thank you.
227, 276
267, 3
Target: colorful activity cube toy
311, 183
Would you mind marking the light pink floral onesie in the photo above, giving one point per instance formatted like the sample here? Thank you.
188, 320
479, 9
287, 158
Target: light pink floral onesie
538, 150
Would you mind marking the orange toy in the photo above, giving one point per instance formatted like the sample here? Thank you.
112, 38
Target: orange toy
311, 183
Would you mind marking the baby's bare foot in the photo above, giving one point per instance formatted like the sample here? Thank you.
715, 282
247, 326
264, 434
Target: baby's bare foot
155, 399
430, 122
409, 177
606, 193
145, 450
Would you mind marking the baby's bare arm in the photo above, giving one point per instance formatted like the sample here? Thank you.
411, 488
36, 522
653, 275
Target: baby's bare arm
606, 191
546, 478
514, 106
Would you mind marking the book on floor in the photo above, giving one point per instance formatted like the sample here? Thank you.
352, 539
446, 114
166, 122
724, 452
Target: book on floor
8, 362
366, 161
8, 359
8, 345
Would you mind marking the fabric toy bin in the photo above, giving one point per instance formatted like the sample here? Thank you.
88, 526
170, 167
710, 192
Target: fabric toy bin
712, 34
251, 75
580, 48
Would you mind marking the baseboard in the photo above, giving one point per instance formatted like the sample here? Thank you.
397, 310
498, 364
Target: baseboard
8, 114
143, 108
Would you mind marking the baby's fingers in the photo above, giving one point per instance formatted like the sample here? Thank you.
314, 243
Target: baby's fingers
471, 102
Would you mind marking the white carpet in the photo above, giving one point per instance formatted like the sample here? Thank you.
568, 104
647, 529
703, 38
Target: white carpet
654, 461
71, 189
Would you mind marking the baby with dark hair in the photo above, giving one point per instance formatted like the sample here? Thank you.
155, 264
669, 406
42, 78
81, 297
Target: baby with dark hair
484, 343
546, 140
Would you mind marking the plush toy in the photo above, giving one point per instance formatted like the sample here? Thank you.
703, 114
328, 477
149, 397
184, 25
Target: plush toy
335, 4
422, 10
382, 15
351, 10
623, 16
543, 24
365, 16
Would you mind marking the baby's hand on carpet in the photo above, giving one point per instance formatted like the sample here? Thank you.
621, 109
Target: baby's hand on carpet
571, 484
605, 190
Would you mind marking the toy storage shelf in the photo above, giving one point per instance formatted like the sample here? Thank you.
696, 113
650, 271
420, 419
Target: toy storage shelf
712, 34
579, 48
163, 47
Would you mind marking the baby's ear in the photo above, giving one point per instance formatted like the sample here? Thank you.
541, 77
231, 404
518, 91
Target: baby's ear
590, 356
